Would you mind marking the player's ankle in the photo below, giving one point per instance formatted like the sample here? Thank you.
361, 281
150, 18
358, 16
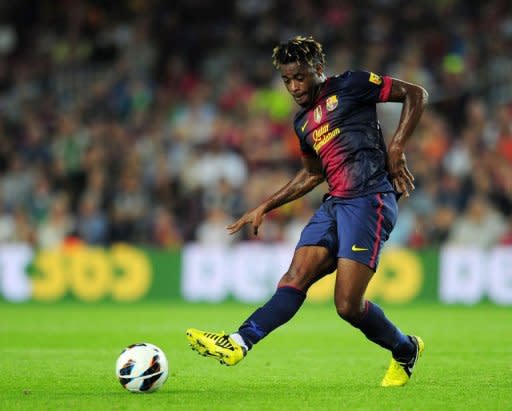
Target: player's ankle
240, 341
405, 351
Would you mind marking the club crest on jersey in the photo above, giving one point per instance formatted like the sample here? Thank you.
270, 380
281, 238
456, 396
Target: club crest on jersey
375, 79
317, 114
331, 103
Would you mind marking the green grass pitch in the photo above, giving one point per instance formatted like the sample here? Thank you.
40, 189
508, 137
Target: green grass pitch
61, 357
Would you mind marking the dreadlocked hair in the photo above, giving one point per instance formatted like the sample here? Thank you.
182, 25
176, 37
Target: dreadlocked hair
300, 50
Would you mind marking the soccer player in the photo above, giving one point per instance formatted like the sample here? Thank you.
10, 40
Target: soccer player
341, 142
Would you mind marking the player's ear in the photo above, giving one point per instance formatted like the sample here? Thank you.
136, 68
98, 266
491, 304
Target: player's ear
319, 69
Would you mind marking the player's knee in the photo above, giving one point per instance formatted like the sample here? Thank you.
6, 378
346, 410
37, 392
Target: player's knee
295, 277
350, 311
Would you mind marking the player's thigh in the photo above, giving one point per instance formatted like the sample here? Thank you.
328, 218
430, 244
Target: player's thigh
309, 264
363, 226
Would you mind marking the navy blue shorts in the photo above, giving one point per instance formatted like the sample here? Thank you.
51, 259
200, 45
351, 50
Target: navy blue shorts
353, 228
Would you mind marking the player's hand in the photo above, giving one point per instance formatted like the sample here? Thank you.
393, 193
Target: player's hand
254, 217
401, 177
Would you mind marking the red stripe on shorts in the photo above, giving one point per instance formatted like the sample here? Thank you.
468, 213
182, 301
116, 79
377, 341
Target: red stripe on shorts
378, 236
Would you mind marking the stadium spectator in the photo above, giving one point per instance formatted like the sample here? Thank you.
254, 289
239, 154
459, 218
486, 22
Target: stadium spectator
480, 226
91, 223
58, 225
164, 230
129, 209
212, 230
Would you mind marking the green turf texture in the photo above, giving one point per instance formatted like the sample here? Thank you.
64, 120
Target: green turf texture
61, 357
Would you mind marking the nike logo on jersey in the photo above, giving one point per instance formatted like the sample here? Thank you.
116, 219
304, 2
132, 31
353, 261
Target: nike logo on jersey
356, 248
304, 126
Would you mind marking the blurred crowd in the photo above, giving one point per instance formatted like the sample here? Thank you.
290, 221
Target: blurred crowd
159, 122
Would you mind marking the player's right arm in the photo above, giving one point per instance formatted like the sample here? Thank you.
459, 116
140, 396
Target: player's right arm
304, 181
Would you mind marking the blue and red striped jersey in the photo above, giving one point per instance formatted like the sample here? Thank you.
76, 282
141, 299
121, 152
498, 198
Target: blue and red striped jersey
341, 128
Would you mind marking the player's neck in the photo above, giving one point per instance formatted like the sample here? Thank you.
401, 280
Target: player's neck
318, 90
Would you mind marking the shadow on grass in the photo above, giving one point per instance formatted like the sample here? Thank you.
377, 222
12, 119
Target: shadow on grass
121, 393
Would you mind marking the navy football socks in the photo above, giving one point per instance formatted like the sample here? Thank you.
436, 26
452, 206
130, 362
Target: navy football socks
278, 310
377, 328
286, 302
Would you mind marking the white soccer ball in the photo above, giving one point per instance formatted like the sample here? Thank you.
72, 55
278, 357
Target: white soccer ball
142, 368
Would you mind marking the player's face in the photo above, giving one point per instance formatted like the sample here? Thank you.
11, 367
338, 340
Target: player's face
302, 82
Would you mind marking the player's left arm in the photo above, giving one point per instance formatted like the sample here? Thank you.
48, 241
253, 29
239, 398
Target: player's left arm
303, 182
414, 99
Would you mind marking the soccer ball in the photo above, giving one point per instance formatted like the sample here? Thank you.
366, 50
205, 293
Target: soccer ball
142, 368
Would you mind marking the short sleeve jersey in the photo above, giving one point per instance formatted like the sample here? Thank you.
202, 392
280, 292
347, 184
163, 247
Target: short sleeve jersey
341, 128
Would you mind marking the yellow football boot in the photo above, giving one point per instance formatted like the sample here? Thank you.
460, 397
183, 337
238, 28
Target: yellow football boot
399, 373
216, 345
